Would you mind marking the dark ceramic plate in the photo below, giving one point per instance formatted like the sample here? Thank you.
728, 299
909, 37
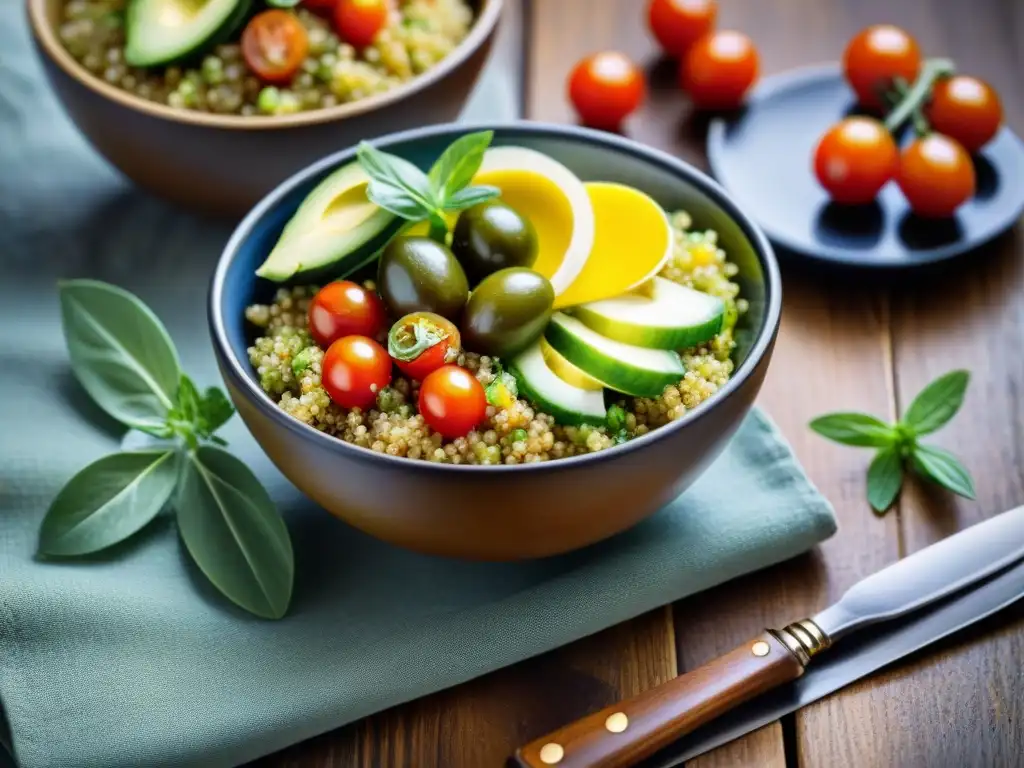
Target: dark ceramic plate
762, 156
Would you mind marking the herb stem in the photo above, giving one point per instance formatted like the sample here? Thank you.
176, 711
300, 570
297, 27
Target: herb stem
438, 230
914, 99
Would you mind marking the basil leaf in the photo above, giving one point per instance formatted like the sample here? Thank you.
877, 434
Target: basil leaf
120, 352
458, 164
214, 411
857, 429
108, 501
391, 170
937, 403
885, 477
188, 400
942, 467
470, 196
396, 200
233, 532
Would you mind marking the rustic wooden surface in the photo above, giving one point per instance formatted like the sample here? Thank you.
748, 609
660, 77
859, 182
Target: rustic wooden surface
847, 342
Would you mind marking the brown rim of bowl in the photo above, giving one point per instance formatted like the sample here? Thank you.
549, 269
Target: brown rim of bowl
483, 26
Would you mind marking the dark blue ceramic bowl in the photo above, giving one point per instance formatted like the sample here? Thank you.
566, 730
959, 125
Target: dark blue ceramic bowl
503, 512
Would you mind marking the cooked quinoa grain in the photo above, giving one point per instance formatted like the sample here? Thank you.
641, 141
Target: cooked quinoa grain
288, 365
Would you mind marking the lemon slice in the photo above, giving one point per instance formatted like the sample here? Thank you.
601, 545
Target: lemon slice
566, 371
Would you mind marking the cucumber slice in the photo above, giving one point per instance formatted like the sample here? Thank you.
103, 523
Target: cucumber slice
551, 394
625, 368
565, 370
159, 32
335, 228
670, 316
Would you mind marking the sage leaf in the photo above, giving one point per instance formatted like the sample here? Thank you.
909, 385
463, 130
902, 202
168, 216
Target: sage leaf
942, 467
396, 172
108, 501
458, 164
937, 403
470, 196
120, 352
859, 429
234, 533
885, 477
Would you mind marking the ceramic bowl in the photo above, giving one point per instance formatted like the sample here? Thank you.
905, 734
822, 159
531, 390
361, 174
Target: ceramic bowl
225, 164
503, 512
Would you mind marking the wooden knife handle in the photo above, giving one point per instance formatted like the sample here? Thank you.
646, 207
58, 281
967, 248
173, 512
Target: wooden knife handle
624, 734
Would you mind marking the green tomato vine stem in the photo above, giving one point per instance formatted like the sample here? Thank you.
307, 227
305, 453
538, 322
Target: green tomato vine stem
911, 105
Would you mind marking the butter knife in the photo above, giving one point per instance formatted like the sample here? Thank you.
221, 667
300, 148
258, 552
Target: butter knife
947, 585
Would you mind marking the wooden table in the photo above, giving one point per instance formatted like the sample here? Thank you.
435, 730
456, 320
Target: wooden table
847, 342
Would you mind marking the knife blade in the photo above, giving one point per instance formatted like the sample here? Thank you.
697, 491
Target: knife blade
914, 602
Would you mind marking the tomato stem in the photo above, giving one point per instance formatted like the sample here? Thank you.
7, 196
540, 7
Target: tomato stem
913, 100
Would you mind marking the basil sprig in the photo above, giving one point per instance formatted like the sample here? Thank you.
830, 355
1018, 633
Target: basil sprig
402, 188
899, 444
125, 359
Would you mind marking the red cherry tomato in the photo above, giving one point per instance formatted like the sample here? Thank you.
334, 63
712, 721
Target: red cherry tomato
966, 109
855, 159
936, 176
342, 309
452, 401
422, 342
355, 369
320, 6
359, 21
678, 24
274, 44
719, 70
606, 88
875, 56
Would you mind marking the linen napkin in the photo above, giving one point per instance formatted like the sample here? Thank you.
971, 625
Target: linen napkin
129, 658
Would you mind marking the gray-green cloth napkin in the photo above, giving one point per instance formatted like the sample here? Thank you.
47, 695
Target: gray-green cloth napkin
130, 659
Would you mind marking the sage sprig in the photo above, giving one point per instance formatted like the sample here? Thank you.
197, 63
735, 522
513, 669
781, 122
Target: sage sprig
406, 191
125, 359
898, 445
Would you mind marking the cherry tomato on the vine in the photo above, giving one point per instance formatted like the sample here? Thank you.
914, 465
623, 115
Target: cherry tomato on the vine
422, 342
678, 24
606, 88
966, 109
719, 70
344, 308
875, 56
274, 45
452, 401
855, 159
936, 176
358, 22
355, 369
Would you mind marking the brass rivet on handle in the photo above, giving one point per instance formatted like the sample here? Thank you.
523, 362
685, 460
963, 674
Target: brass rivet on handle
551, 754
760, 648
617, 722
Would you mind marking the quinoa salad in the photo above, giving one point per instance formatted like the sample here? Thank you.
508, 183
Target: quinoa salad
260, 59
289, 365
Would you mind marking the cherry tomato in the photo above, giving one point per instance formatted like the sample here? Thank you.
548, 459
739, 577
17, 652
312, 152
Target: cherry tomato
345, 308
422, 342
359, 21
355, 369
452, 401
719, 70
875, 56
678, 24
855, 159
320, 6
966, 109
936, 176
606, 88
274, 44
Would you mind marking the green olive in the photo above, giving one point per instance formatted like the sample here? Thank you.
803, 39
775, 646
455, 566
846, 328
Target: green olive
492, 236
417, 274
507, 312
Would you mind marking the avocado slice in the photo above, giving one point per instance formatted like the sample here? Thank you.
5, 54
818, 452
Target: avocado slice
625, 368
669, 316
159, 32
336, 228
570, 405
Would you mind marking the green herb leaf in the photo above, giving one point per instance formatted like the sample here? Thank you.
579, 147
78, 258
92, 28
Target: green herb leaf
396, 200
108, 501
885, 477
458, 164
857, 429
188, 400
470, 196
283, 3
214, 411
232, 530
942, 467
398, 173
120, 352
937, 403
616, 418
